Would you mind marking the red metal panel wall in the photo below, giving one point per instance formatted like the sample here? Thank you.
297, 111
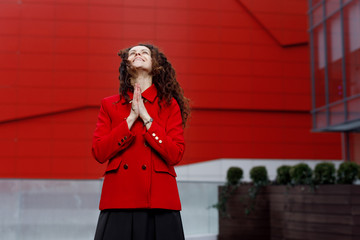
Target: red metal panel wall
244, 64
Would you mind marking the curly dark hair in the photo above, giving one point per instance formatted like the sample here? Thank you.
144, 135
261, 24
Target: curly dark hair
163, 77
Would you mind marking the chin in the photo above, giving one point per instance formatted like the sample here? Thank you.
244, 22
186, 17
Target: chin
143, 68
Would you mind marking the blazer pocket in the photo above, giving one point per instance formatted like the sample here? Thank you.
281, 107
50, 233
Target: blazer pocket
113, 164
162, 167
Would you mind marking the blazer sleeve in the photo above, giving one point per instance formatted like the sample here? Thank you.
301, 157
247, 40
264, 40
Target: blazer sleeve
169, 141
107, 141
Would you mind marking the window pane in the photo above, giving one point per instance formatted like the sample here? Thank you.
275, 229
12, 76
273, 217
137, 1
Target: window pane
354, 141
331, 6
352, 47
337, 114
354, 109
317, 15
314, 2
334, 54
320, 119
319, 66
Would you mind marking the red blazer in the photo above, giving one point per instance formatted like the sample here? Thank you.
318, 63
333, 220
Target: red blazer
140, 172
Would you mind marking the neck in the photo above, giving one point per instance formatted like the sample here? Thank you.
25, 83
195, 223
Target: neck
144, 80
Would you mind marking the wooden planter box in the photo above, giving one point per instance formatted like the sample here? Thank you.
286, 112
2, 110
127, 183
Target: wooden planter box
255, 226
330, 212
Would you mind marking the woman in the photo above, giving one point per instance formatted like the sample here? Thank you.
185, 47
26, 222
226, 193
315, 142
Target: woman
140, 134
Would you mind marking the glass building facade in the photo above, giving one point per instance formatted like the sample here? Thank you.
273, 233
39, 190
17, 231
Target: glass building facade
335, 70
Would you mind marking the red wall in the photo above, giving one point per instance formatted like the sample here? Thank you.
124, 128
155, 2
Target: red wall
243, 63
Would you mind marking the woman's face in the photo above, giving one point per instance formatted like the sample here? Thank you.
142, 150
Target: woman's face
140, 58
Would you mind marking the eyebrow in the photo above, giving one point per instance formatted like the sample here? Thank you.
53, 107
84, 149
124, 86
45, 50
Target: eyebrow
142, 50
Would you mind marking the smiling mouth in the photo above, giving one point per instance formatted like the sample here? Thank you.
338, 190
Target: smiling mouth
138, 59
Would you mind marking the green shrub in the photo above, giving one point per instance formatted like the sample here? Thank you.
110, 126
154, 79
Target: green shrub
324, 173
301, 174
347, 173
234, 175
259, 175
283, 174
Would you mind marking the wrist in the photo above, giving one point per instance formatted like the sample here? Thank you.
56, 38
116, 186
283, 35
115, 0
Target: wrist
146, 117
131, 118
147, 122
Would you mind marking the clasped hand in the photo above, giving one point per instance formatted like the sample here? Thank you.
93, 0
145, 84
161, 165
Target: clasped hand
137, 107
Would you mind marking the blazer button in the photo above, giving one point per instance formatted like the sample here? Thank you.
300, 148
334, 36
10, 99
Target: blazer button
126, 166
146, 145
143, 167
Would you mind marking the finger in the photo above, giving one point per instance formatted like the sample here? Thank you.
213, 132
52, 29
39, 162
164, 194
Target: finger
133, 103
136, 89
139, 95
136, 93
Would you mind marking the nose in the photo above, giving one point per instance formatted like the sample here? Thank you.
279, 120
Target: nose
138, 53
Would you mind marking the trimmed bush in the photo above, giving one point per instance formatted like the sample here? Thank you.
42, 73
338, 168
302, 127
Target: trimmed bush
301, 174
283, 175
259, 175
234, 175
347, 173
324, 173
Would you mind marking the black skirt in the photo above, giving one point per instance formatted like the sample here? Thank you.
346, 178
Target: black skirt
139, 224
